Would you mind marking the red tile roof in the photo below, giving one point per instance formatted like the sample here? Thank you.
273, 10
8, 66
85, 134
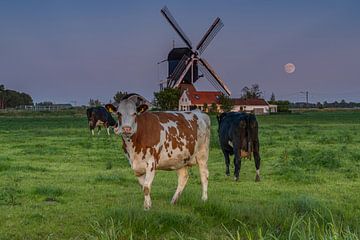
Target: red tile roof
204, 97
250, 102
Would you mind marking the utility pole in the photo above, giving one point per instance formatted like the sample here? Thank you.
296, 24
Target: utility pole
306, 93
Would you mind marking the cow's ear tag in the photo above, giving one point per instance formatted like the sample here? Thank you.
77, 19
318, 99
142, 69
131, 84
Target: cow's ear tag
142, 108
110, 108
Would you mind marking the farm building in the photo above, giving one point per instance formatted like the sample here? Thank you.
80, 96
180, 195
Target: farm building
203, 100
257, 106
190, 98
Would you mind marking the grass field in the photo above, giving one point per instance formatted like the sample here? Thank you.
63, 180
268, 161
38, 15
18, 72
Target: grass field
58, 182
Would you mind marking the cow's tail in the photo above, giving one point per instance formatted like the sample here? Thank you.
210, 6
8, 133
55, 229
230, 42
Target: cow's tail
249, 139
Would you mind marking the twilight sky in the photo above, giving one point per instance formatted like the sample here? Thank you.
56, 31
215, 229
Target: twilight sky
69, 51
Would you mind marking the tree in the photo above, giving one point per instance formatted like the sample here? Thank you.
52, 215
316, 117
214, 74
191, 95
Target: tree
11, 99
2, 96
94, 102
205, 107
226, 103
272, 98
167, 99
253, 92
319, 105
283, 106
213, 108
118, 96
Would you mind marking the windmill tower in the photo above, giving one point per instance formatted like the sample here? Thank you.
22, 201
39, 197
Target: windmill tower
185, 63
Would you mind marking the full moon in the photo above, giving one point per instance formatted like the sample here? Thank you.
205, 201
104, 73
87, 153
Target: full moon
289, 68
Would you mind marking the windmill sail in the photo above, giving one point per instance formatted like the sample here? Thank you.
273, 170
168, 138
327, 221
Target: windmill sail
165, 11
213, 78
209, 35
180, 67
189, 63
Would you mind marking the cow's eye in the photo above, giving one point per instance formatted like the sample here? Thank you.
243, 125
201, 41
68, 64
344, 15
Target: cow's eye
119, 114
134, 114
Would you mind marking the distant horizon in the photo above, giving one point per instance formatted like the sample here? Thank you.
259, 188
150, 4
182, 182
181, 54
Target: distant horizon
74, 103
66, 51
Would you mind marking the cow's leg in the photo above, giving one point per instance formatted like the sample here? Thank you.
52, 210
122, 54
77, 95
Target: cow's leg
204, 174
257, 160
237, 163
149, 177
227, 162
91, 127
141, 180
183, 177
99, 129
107, 126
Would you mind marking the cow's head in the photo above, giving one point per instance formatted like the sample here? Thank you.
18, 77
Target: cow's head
129, 108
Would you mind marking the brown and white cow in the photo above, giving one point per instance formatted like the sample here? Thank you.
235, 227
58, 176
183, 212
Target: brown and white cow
163, 141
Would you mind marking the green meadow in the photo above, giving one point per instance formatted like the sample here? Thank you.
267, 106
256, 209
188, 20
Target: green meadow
59, 182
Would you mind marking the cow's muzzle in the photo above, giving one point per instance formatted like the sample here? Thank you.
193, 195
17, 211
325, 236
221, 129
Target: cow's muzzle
126, 130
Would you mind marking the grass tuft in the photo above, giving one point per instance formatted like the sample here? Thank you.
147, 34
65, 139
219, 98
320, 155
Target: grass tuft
109, 165
49, 191
306, 226
9, 195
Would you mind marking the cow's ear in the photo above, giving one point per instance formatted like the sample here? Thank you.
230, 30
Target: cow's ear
142, 108
110, 108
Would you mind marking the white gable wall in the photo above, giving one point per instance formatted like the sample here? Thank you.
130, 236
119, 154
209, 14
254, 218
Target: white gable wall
184, 102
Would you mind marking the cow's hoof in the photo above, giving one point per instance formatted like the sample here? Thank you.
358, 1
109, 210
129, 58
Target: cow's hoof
204, 198
147, 205
257, 178
227, 174
236, 179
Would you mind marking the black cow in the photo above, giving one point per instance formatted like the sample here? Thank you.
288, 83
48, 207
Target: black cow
238, 135
98, 116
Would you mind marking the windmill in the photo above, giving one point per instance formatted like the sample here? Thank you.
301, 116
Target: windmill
184, 63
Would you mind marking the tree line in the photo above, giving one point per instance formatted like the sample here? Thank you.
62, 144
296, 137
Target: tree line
325, 104
11, 98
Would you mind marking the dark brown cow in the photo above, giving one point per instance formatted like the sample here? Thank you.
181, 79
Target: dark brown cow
238, 135
99, 116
